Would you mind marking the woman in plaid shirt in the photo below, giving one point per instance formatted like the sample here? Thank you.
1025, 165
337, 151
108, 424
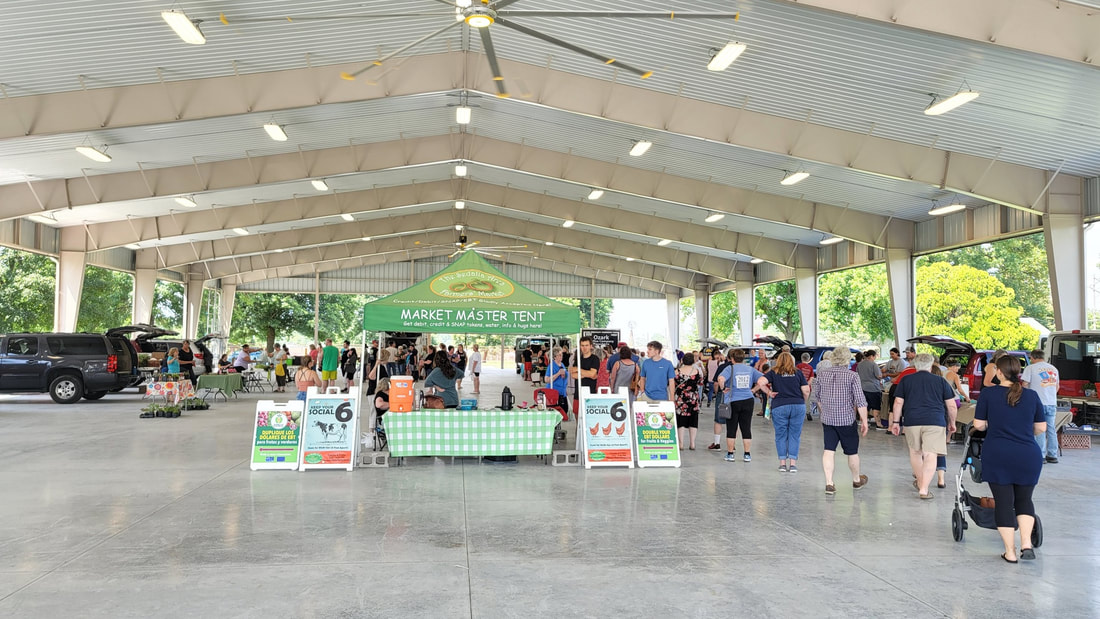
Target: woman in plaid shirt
839, 397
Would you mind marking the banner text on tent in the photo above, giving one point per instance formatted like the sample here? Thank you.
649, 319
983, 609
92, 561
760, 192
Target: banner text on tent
472, 315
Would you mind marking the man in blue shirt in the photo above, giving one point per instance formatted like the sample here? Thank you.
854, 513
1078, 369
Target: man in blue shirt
614, 356
657, 378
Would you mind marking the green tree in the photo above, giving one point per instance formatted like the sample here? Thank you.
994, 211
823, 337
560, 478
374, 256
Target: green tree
27, 283
107, 300
689, 330
723, 317
855, 303
777, 304
168, 305
1020, 263
263, 316
603, 311
210, 312
341, 317
971, 305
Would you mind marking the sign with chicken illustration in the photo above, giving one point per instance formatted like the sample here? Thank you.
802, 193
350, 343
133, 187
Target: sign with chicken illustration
606, 428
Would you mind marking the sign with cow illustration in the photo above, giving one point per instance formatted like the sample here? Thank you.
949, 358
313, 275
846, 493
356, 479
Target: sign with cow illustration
329, 428
606, 428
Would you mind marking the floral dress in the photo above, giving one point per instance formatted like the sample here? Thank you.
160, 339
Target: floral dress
687, 400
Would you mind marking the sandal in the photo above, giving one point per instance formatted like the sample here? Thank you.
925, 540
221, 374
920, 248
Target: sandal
830, 490
1027, 554
939, 485
925, 497
1007, 560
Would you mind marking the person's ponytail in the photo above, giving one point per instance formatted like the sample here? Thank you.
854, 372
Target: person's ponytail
1010, 369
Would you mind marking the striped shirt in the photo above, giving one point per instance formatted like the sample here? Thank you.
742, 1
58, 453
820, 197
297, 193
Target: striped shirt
838, 395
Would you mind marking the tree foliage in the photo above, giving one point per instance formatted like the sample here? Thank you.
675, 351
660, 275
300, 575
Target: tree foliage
603, 311
27, 283
970, 304
106, 301
855, 304
261, 316
723, 317
1020, 263
168, 305
341, 317
777, 305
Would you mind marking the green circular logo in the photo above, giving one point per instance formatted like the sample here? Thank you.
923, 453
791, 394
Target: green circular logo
471, 284
596, 456
314, 458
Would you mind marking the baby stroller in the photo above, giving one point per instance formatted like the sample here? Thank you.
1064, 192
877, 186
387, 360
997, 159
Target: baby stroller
979, 508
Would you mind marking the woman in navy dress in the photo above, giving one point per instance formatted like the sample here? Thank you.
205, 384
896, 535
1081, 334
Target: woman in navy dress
1011, 459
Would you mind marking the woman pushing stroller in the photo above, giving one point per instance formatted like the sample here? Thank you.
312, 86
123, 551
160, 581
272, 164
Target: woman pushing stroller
1011, 416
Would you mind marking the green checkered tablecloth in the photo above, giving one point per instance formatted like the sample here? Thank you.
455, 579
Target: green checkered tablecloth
451, 432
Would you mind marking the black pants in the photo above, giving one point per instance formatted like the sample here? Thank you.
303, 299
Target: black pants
740, 416
1011, 501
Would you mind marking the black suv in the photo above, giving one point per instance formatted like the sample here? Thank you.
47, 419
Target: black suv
67, 365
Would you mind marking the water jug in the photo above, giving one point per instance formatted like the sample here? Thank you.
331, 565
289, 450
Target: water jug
540, 401
507, 400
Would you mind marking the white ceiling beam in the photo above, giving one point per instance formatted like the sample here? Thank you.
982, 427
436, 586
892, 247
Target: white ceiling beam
1056, 29
78, 112
395, 249
867, 228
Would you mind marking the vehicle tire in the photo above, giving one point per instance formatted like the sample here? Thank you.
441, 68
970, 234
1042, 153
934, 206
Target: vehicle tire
957, 524
1037, 533
66, 389
94, 395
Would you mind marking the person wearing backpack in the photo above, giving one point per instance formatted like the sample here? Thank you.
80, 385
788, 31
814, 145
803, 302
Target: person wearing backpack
624, 373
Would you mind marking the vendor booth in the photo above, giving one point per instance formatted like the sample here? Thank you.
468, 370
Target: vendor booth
471, 296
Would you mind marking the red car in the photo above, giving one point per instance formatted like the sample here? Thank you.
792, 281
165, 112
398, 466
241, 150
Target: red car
972, 361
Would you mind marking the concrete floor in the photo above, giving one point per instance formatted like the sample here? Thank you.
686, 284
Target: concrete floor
103, 514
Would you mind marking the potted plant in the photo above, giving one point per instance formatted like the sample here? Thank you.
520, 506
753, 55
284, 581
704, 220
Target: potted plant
1090, 390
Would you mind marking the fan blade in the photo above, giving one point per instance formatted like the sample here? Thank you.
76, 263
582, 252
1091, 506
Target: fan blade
485, 253
456, 253
617, 14
491, 54
378, 63
500, 4
293, 18
571, 47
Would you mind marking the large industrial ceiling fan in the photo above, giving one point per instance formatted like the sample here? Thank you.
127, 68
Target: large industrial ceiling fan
482, 15
464, 245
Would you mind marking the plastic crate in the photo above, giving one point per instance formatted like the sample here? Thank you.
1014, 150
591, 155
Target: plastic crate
1074, 441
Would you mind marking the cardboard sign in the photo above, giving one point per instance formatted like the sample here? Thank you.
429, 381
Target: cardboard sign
606, 428
277, 435
602, 337
655, 434
330, 426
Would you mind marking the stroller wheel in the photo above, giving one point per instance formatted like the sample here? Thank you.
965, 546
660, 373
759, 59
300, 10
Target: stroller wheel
1037, 533
957, 524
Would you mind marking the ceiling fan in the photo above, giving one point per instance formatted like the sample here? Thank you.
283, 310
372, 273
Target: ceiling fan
464, 245
481, 15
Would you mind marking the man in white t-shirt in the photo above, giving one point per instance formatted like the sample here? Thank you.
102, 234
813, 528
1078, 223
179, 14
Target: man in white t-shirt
473, 366
1042, 378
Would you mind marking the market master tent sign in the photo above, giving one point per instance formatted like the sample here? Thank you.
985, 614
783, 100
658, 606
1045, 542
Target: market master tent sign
470, 296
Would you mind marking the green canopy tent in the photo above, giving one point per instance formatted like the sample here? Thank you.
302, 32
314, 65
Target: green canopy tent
470, 296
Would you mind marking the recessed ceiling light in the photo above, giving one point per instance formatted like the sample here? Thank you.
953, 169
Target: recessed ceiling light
186, 201
596, 194
279, 250
241, 231
794, 177
938, 106
755, 261
713, 217
366, 238
275, 132
460, 170
319, 184
949, 208
629, 259
724, 57
568, 223
184, 26
832, 240
94, 154
663, 242
459, 227
133, 246
460, 205
640, 147
463, 115
551, 243
463, 3
348, 217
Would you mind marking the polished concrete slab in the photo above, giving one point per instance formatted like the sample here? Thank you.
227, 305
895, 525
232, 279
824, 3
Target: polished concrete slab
103, 514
